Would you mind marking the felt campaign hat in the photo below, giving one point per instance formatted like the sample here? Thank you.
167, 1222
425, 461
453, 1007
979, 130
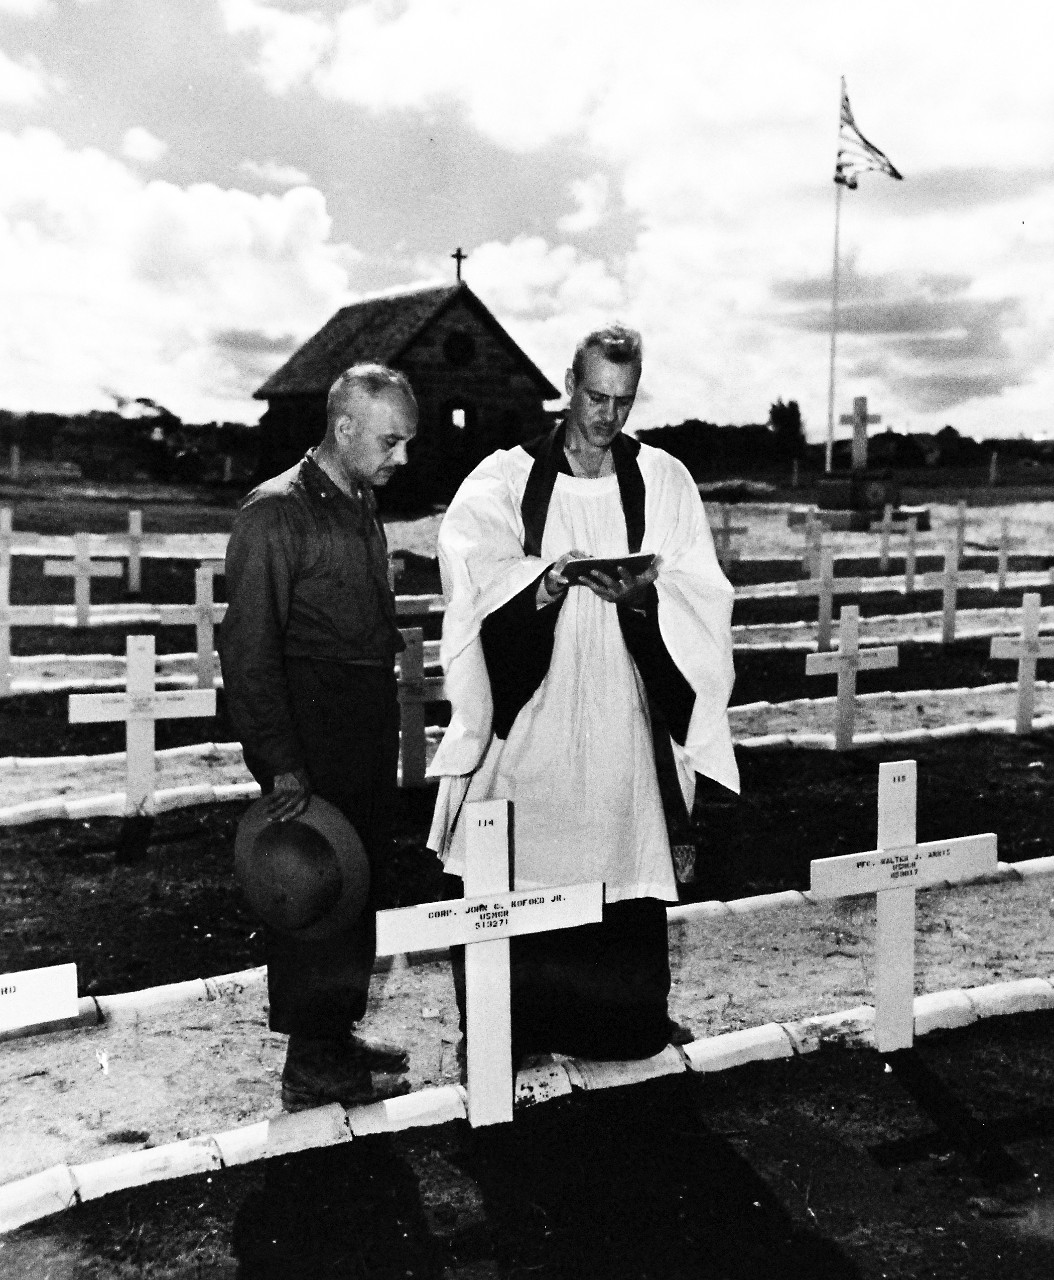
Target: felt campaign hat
306, 878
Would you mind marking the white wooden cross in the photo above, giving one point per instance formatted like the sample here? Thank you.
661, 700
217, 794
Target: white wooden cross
911, 553
723, 535
958, 526
135, 552
415, 691
859, 420
950, 579
893, 872
139, 707
814, 530
825, 586
82, 568
1004, 545
1028, 649
484, 920
847, 660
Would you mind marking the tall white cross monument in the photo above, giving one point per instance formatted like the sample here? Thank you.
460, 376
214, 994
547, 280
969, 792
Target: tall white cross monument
860, 420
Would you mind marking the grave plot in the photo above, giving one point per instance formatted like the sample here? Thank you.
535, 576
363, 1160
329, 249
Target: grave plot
803, 929
888, 717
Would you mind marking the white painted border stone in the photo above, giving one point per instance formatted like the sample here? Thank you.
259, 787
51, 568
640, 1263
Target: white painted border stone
735, 1048
52, 1190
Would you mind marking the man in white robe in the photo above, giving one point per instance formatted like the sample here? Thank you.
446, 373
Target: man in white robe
564, 696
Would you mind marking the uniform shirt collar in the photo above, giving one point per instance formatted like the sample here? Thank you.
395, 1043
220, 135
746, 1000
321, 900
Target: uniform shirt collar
322, 487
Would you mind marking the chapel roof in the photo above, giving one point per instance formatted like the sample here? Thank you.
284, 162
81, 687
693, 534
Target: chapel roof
381, 328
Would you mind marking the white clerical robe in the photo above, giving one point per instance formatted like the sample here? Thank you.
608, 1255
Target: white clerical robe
578, 762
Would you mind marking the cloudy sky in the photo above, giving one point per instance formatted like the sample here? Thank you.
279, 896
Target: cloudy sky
188, 189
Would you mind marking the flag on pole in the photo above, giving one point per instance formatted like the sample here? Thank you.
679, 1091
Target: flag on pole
855, 154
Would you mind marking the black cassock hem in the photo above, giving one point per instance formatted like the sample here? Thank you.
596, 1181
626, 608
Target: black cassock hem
592, 991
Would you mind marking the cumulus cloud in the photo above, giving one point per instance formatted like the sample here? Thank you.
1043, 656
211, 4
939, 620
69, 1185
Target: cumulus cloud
22, 84
290, 45
275, 174
591, 197
162, 290
139, 144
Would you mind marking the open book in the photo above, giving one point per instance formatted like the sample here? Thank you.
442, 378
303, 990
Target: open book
576, 569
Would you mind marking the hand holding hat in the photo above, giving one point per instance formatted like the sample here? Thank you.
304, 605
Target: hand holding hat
307, 876
289, 796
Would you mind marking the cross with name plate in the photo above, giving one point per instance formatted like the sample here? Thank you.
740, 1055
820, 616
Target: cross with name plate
484, 920
893, 872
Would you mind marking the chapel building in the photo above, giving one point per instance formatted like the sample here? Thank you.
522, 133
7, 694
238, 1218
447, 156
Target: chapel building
477, 390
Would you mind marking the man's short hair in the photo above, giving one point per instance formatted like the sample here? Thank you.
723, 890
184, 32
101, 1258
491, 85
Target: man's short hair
617, 343
371, 380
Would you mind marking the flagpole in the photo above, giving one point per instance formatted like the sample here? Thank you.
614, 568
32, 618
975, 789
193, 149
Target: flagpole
828, 461
829, 452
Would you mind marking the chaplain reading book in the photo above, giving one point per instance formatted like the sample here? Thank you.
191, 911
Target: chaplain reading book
574, 694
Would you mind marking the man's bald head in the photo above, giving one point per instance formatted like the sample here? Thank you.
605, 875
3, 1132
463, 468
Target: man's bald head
365, 382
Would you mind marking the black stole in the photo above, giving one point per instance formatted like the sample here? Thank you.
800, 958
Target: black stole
518, 638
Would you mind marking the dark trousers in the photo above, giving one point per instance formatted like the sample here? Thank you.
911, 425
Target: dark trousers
592, 991
347, 720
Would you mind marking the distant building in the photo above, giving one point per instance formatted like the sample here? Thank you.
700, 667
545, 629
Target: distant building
477, 390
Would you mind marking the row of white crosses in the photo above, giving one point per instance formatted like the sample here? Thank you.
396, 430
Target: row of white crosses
142, 703
490, 914
849, 658
202, 614
949, 580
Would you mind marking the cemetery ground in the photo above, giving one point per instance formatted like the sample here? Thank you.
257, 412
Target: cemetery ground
812, 1166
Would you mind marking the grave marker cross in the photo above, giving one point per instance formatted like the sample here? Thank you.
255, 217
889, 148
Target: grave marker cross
859, 420
82, 568
825, 586
484, 920
723, 535
1027, 649
910, 553
847, 660
893, 872
949, 580
139, 707
135, 552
